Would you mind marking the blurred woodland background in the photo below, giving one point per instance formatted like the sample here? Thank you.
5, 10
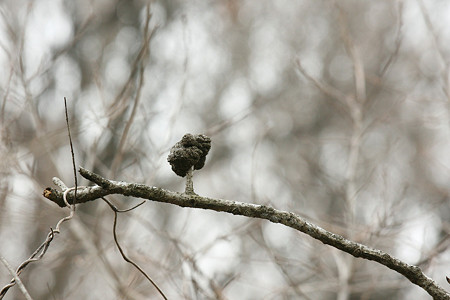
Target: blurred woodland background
335, 110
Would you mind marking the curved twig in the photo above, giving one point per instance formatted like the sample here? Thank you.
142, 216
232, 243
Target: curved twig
128, 260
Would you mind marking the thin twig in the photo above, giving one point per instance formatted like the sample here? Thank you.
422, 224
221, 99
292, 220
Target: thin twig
325, 88
73, 155
398, 41
116, 211
139, 65
42, 249
71, 206
16, 278
37, 255
118, 105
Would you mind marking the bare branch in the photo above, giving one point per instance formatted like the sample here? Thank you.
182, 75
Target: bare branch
108, 187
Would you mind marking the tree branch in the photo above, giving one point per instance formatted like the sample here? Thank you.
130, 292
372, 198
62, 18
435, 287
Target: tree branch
107, 187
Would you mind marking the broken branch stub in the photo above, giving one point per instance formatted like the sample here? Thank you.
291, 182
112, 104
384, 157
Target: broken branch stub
190, 152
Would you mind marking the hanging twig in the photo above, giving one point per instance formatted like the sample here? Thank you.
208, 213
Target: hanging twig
116, 210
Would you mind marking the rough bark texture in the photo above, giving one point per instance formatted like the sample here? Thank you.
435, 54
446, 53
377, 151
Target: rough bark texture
107, 187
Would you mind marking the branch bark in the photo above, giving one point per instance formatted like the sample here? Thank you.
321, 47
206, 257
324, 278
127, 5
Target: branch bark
106, 187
